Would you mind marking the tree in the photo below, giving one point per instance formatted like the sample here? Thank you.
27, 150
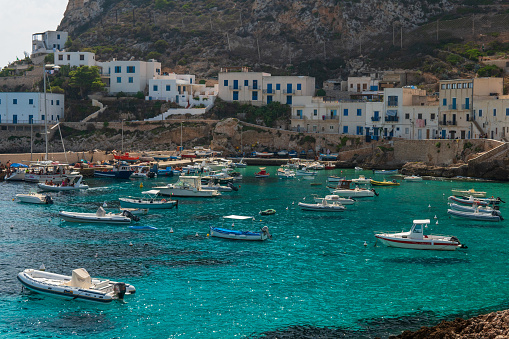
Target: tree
320, 92
489, 71
86, 79
49, 58
161, 46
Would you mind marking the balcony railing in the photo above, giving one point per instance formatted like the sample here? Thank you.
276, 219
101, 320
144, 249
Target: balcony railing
235, 88
254, 88
465, 106
392, 104
392, 119
375, 118
285, 91
269, 91
447, 123
452, 107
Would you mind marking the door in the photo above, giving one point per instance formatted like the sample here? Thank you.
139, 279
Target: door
453, 103
427, 134
462, 134
289, 88
419, 134
30, 119
255, 84
235, 84
443, 134
14, 119
444, 120
467, 103
454, 119
269, 88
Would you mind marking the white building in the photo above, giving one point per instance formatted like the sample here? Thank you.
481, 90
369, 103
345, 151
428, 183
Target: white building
361, 84
258, 88
74, 59
48, 42
28, 107
129, 77
181, 89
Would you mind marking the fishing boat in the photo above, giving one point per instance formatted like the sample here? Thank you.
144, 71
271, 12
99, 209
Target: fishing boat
415, 239
476, 215
386, 171
100, 216
285, 173
329, 165
70, 182
470, 192
150, 200
125, 157
384, 183
166, 172
269, 211
324, 206
481, 209
78, 286
262, 173
475, 201
362, 180
335, 198
42, 171
35, 198
118, 171
226, 233
187, 186
412, 178
143, 172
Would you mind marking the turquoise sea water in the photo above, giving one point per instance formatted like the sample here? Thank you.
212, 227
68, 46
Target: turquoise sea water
315, 272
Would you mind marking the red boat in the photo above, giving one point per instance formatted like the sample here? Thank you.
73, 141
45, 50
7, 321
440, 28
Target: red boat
188, 155
126, 157
262, 173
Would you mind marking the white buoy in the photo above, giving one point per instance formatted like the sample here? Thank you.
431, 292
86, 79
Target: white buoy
365, 244
130, 244
304, 198
436, 223
293, 202
429, 206
96, 255
435, 216
42, 268
196, 234
171, 230
287, 208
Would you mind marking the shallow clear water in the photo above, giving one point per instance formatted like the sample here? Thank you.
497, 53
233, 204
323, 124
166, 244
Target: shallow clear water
315, 272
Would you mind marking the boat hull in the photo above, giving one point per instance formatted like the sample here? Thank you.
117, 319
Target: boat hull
474, 216
33, 199
93, 218
237, 235
176, 192
354, 193
321, 207
54, 188
113, 174
418, 244
135, 203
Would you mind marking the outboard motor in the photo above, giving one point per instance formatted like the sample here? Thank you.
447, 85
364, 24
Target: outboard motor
373, 190
48, 200
119, 289
131, 216
151, 175
265, 230
233, 187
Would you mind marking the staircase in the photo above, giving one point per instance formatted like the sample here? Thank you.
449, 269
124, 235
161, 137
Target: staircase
479, 128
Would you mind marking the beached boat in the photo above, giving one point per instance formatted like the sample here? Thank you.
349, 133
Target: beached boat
415, 239
262, 173
166, 172
125, 157
324, 206
386, 171
269, 211
100, 216
480, 209
150, 201
476, 215
161, 157
412, 178
384, 183
335, 198
470, 192
264, 154
362, 180
282, 153
78, 286
475, 201
329, 157
118, 171
35, 198
237, 234
70, 182
187, 186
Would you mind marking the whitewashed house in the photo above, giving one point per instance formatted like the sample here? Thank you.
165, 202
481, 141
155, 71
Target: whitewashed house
28, 107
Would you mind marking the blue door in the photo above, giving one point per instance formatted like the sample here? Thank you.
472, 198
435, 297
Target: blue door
269, 88
255, 84
288, 99
30, 119
467, 103
235, 95
235, 84
443, 134
453, 103
289, 88
14, 119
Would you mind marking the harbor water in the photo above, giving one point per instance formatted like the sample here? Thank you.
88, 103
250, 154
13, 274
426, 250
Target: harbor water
315, 276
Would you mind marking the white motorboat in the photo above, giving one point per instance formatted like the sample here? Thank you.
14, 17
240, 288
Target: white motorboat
210, 186
70, 182
334, 178
358, 168
324, 206
150, 201
476, 215
42, 171
475, 201
142, 172
481, 209
305, 172
98, 217
226, 233
356, 192
285, 173
412, 178
78, 286
16, 172
35, 198
361, 180
415, 239
316, 166
187, 186
335, 198
470, 192
135, 211
240, 164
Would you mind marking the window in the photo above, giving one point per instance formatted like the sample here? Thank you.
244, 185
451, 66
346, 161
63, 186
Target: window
278, 87
448, 86
345, 112
68, 57
315, 112
480, 112
168, 88
255, 84
58, 102
246, 82
345, 129
58, 36
432, 116
314, 128
60, 57
331, 127
82, 57
235, 95
359, 130
0, 101
288, 99
254, 95
494, 112
43, 117
299, 87
51, 102
419, 116
131, 80
130, 69
269, 99
392, 100
299, 113
30, 101
119, 80
359, 112
235, 84
453, 86
471, 85
225, 83
14, 101
118, 69
406, 128
407, 116
155, 88
444, 102
507, 111
443, 86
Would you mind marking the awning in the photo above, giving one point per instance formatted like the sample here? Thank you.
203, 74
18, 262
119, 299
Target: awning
16, 165
392, 113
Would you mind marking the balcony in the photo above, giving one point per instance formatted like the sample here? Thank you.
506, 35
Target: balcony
452, 107
288, 92
269, 91
465, 106
447, 123
391, 119
253, 88
235, 88
392, 104
375, 118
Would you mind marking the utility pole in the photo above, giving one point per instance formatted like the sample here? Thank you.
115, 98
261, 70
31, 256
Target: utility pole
45, 110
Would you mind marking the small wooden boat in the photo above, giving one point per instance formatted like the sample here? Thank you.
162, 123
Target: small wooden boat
415, 239
237, 234
78, 286
125, 157
262, 173
323, 207
384, 183
412, 178
470, 192
476, 215
35, 198
269, 211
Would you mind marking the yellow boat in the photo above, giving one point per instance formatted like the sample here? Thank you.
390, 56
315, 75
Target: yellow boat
384, 183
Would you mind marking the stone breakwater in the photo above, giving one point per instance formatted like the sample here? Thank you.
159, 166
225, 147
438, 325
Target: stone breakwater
488, 326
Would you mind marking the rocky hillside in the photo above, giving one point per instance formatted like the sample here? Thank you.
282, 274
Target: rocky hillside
285, 37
